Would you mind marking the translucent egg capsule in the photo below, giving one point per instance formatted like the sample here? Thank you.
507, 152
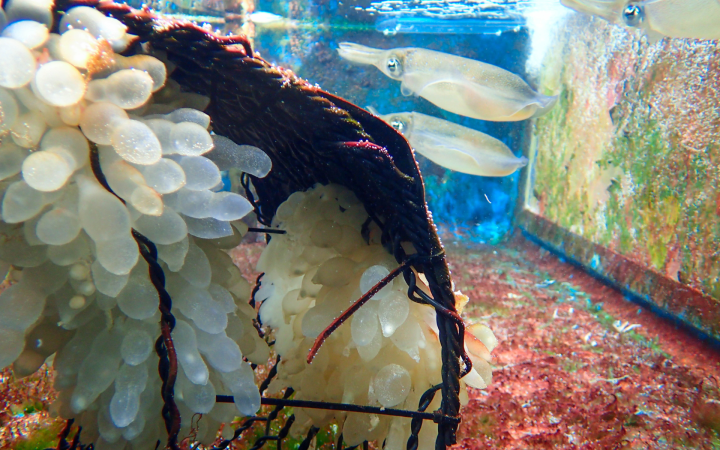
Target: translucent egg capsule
335, 272
326, 233
407, 338
120, 45
165, 176
136, 143
221, 352
200, 173
70, 140
146, 63
97, 371
199, 398
128, 89
227, 155
372, 276
11, 158
392, 385
229, 206
129, 384
29, 99
58, 226
99, 120
17, 64
53, 46
107, 282
118, 256
13, 343
187, 352
28, 129
127, 182
165, 229
208, 228
392, 312
72, 252
102, 215
196, 270
198, 305
78, 47
184, 115
147, 201
21, 202
136, 346
139, 299
21, 305
9, 108
122, 177
96, 23
364, 325
79, 271
48, 170
70, 115
189, 115
59, 84
162, 129
30, 33
242, 385
174, 254
36, 10
190, 139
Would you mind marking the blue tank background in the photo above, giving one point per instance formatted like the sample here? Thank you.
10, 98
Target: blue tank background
479, 209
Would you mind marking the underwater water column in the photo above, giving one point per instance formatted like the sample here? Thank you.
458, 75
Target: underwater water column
480, 209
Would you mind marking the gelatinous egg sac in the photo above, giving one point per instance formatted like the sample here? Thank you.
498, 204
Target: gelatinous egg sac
387, 354
80, 290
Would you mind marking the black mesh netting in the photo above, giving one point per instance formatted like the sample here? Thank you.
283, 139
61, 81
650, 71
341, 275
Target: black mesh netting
312, 137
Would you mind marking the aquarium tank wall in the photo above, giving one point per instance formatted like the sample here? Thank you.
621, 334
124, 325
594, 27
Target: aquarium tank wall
625, 163
389, 224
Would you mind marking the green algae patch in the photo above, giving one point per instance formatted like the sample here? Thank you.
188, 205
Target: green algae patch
629, 156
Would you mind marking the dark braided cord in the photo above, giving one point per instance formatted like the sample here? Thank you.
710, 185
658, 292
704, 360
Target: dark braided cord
164, 347
305, 444
416, 423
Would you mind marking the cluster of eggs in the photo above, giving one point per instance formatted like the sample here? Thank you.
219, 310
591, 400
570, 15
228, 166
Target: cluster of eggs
81, 290
386, 355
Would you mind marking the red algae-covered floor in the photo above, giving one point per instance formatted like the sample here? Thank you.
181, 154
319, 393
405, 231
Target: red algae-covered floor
578, 365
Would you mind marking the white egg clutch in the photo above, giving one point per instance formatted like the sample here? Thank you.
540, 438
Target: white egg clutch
387, 357
81, 291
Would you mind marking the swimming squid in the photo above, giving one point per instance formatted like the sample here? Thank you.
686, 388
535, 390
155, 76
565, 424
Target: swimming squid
456, 84
454, 146
695, 19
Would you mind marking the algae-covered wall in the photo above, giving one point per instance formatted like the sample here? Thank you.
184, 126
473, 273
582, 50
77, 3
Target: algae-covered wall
629, 157
465, 207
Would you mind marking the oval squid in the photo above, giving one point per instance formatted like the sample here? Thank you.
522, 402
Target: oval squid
460, 85
695, 19
454, 146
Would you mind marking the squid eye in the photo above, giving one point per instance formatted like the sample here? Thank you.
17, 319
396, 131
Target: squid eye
398, 125
633, 15
393, 66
